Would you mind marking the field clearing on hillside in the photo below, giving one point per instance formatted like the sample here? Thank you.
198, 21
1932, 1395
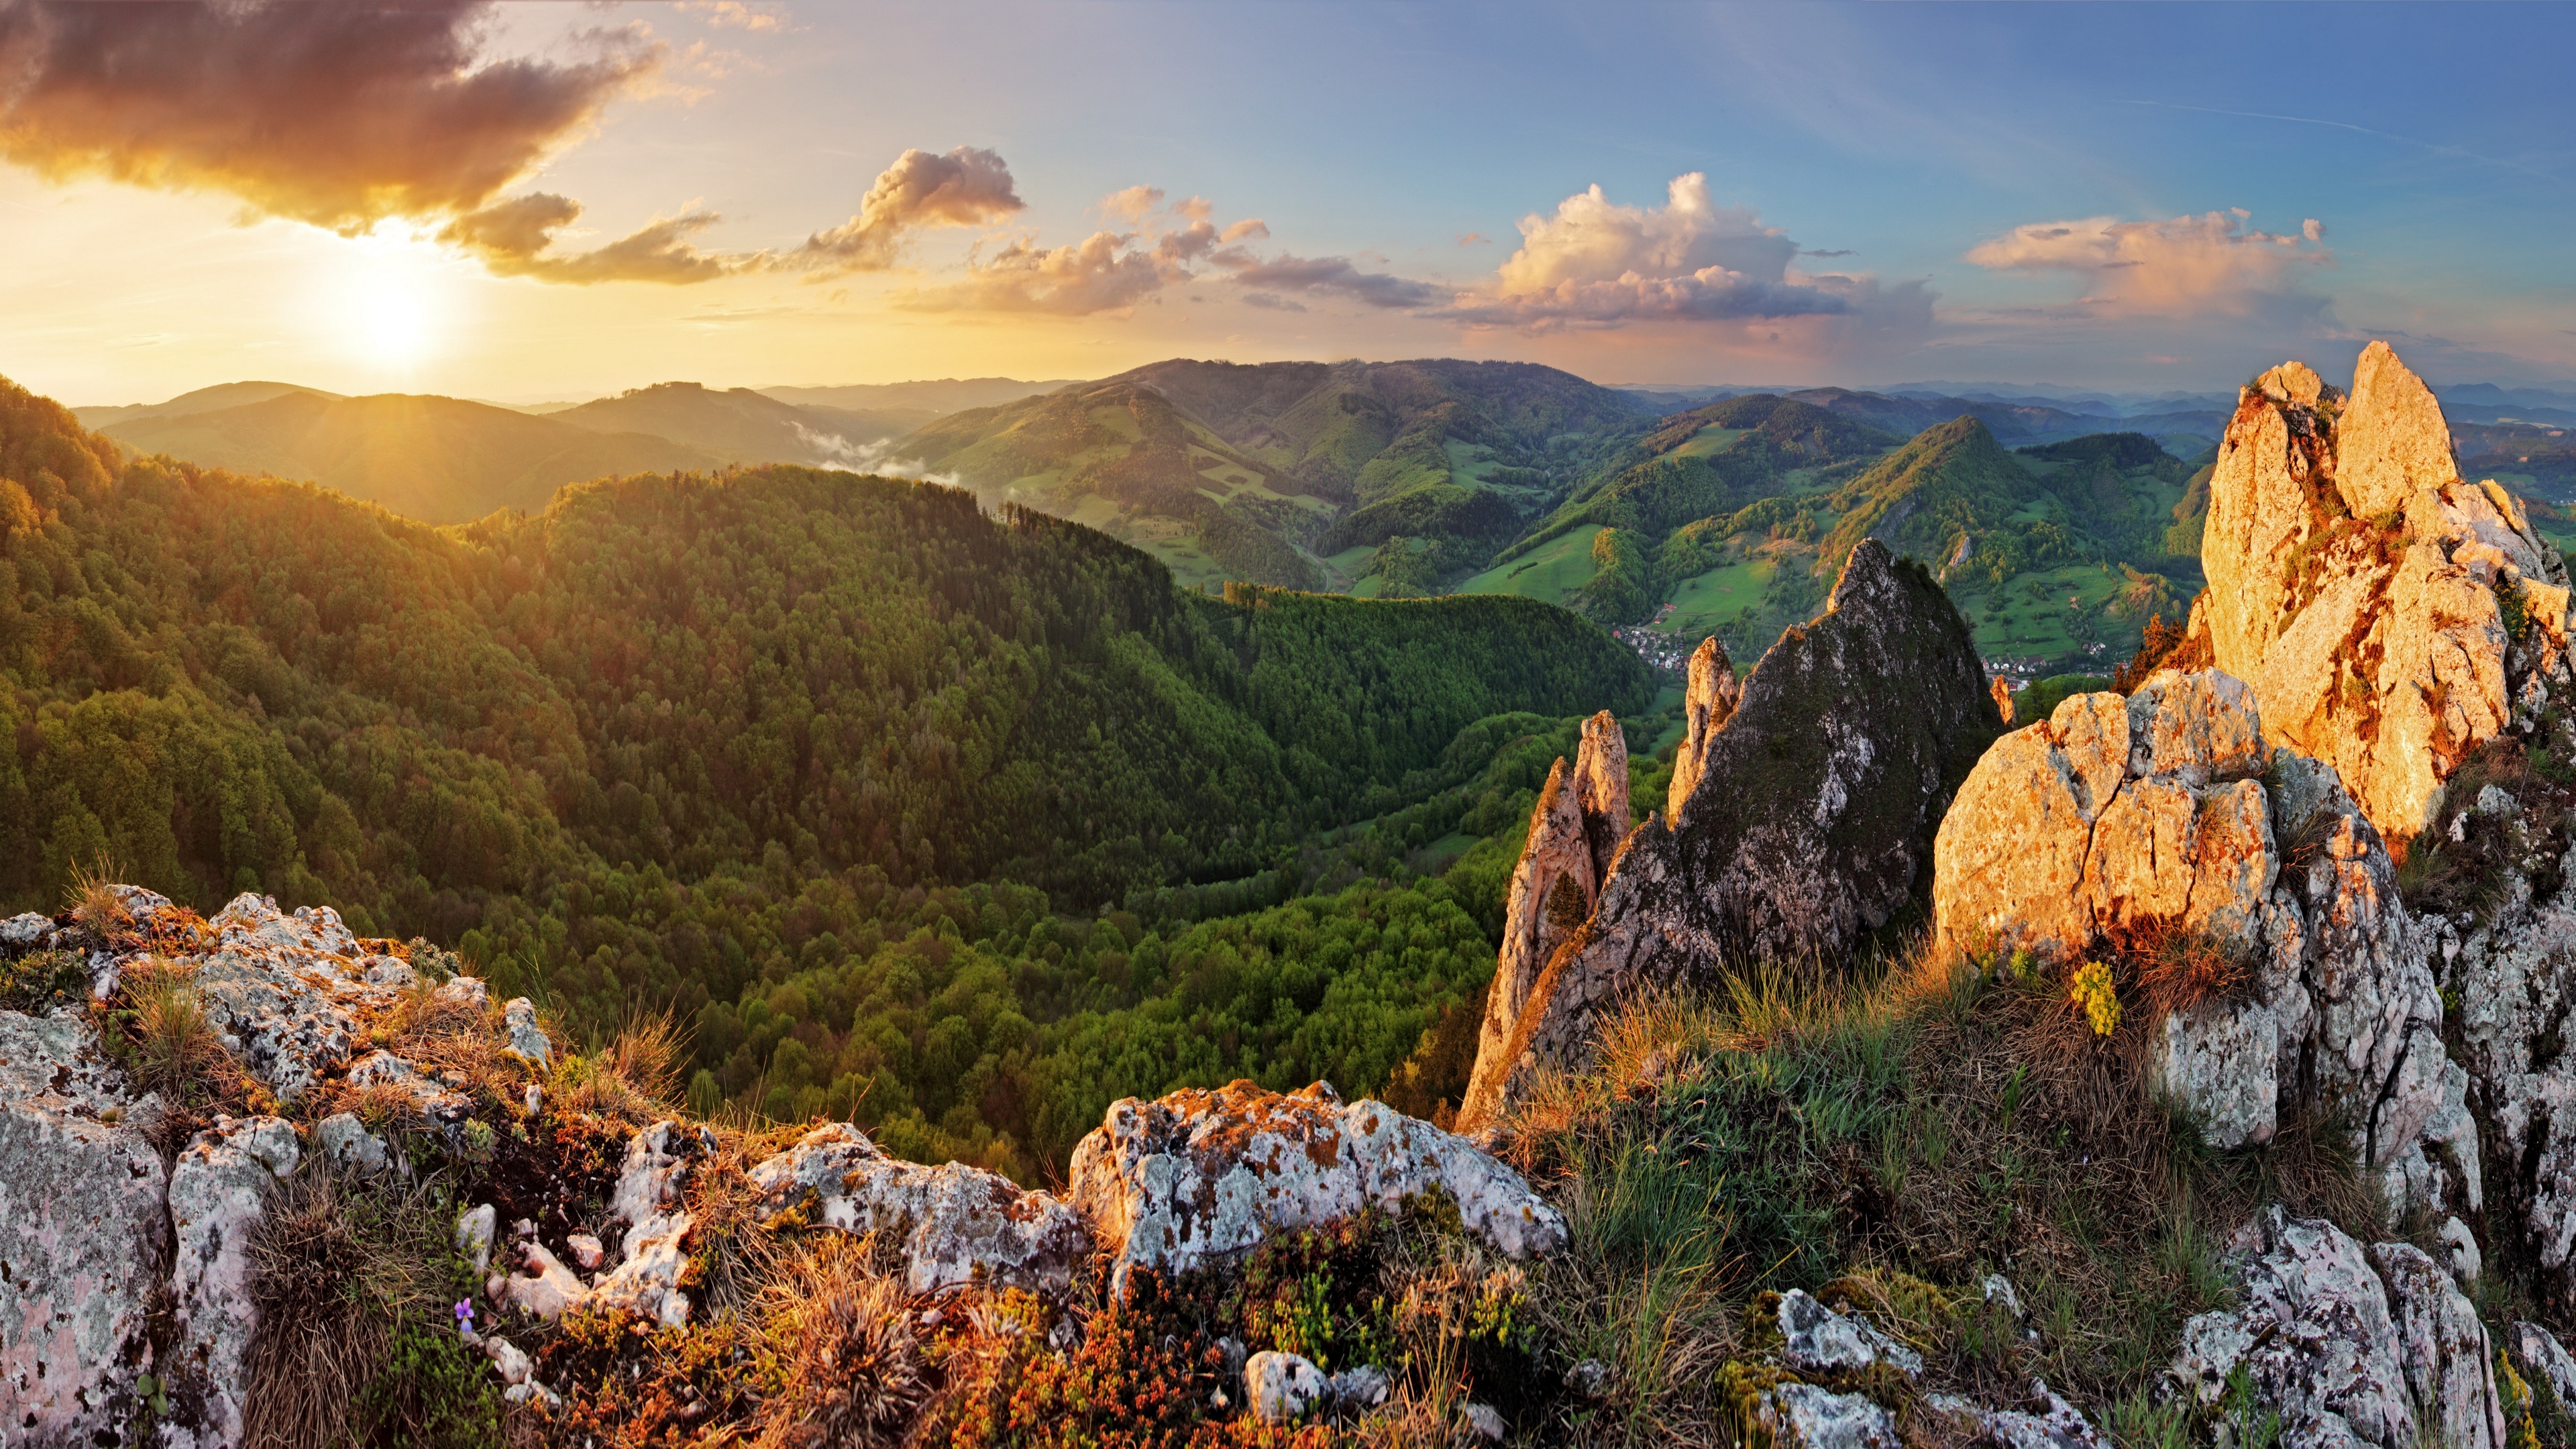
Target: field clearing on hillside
1549, 572
1342, 570
1708, 440
1702, 600
2009, 620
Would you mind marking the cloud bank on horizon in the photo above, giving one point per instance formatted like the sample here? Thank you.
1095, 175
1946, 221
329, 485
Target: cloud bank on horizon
435, 120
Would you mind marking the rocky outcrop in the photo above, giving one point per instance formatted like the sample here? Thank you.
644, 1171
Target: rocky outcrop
956, 1224
2389, 615
1198, 1177
289, 991
1574, 834
219, 1191
2129, 823
2514, 976
1708, 701
81, 1215
2348, 1345
1843, 1372
652, 1255
1809, 826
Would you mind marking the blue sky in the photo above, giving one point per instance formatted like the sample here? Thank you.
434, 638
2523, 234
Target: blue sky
2017, 193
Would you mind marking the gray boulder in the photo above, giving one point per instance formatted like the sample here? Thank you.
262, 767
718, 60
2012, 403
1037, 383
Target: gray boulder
81, 1194
1817, 1339
957, 1224
1803, 1416
1282, 1388
219, 1193
2348, 1345
1198, 1177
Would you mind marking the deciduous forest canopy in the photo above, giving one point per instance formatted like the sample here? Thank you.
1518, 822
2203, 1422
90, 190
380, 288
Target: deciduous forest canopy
838, 769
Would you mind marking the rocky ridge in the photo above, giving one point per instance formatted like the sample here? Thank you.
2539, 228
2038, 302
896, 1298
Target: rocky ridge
2162, 822
2390, 616
98, 1223
1817, 784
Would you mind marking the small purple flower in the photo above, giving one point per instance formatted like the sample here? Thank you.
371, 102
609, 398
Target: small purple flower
465, 1315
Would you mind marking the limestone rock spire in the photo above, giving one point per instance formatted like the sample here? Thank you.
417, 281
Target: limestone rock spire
1574, 835
1707, 704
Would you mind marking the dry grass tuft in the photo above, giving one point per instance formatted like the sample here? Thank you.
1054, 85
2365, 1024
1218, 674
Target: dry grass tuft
634, 1079
853, 1378
334, 1268
173, 1044
91, 899
2177, 970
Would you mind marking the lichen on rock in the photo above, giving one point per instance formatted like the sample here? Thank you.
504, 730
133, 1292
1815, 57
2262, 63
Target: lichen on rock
2347, 1344
1197, 1178
81, 1217
955, 1224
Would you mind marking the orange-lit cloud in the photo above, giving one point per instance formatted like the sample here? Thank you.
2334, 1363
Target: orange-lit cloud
966, 187
2188, 265
337, 115
513, 238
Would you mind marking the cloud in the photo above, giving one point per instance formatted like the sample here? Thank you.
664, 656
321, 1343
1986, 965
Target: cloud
966, 187
1106, 272
2187, 265
1597, 264
721, 13
511, 238
1474, 239
1272, 301
1333, 275
1828, 254
1131, 205
1109, 271
337, 115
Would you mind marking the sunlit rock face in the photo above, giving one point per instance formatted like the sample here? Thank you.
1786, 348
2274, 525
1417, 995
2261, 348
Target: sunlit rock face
2389, 615
1574, 834
1808, 826
2125, 823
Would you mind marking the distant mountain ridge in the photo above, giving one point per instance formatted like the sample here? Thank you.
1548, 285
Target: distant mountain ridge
1239, 470
436, 459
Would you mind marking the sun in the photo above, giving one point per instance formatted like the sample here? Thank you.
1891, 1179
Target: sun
392, 324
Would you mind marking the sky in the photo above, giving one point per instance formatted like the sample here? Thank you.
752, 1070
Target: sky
534, 202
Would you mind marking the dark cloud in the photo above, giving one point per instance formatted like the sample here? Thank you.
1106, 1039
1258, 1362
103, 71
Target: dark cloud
966, 187
511, 239
1332, 275
1272, 301
1845, 253
336, 114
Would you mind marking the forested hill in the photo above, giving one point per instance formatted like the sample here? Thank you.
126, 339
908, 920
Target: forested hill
234, 684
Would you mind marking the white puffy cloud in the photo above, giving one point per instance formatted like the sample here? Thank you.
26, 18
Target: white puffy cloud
1108, 271
2186, 265
967, 187
1595, 264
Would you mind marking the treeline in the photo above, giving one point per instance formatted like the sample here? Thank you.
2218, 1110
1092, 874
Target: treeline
679, 740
